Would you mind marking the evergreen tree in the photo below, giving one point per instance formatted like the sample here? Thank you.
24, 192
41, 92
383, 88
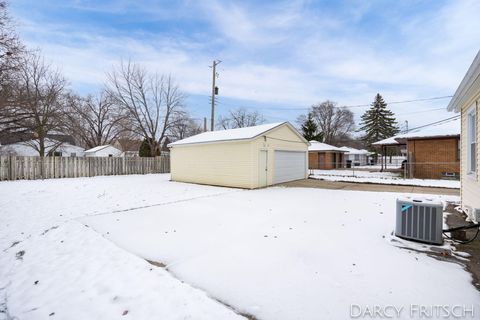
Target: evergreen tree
310, 129
378, 122
145, 150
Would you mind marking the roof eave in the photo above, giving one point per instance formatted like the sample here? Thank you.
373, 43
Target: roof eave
472, 74
443, 136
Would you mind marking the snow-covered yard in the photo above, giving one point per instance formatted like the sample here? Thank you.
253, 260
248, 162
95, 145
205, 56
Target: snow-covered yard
360, 176
276, 253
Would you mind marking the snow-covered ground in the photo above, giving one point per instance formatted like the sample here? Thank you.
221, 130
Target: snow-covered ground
276, 253
360, 176
51, 264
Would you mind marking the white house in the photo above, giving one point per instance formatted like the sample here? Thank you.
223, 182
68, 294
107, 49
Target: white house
466, 100
103, 151
52, 148
356, 157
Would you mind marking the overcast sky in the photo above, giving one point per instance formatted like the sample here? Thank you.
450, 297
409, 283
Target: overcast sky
278, 57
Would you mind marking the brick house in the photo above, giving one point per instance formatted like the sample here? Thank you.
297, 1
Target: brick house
433, 152
323, 156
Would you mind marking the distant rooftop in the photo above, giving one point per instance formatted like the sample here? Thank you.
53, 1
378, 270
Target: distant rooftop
449, 128
320, 146
350, 150
98, 148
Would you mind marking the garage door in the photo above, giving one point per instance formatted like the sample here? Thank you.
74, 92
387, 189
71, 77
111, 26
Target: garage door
289, 165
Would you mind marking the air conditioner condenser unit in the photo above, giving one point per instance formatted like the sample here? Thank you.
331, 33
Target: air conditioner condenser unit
419, 219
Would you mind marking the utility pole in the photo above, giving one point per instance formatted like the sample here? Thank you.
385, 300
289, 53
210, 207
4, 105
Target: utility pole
205, 124
406, 125
214, 92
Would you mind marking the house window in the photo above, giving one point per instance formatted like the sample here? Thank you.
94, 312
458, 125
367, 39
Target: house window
472, 140
357, 157
57, 154
73, 154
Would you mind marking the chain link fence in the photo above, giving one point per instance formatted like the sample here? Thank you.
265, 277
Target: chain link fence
397, 168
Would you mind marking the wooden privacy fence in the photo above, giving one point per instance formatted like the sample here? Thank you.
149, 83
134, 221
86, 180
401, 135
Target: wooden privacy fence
31, 168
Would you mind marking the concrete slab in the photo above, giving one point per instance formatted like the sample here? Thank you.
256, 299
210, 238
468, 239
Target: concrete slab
340, 185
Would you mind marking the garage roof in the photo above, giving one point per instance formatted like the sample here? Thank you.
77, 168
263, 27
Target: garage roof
232, 134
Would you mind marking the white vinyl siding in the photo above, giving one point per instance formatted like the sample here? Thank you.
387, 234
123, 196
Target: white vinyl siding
472, 140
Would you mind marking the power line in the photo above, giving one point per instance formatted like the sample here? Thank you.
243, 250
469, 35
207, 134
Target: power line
348, 106
421, 111
403, 101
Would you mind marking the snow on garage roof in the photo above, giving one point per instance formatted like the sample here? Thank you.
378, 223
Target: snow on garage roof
320, 146
230, 134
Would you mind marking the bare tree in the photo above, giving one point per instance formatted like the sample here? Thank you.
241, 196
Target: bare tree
95, 120
38, 101
128, 141
184, 126
11, 52
151, 101
240, 118
11, 48
332, 121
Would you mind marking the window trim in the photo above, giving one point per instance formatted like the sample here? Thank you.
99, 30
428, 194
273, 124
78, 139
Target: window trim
472, 111
458, 149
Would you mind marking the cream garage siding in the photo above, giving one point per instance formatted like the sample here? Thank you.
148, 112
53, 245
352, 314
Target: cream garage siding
242, 163
223, 164
279, 139
289, 166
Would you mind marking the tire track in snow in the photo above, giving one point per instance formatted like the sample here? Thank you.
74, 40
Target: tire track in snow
158, 204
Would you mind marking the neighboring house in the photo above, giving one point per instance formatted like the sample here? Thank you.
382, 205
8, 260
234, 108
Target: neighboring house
52, 148
129, 147
432, 151
324, 156
467, 101
103, 151
11, 138
356, 157
251, 157
129, 154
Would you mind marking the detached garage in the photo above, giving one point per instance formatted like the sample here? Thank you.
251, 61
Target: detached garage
251, 157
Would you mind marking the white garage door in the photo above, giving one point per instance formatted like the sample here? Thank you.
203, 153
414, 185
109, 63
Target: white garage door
289, 165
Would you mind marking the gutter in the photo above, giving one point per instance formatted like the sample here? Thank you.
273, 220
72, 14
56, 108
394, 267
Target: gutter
470, 77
